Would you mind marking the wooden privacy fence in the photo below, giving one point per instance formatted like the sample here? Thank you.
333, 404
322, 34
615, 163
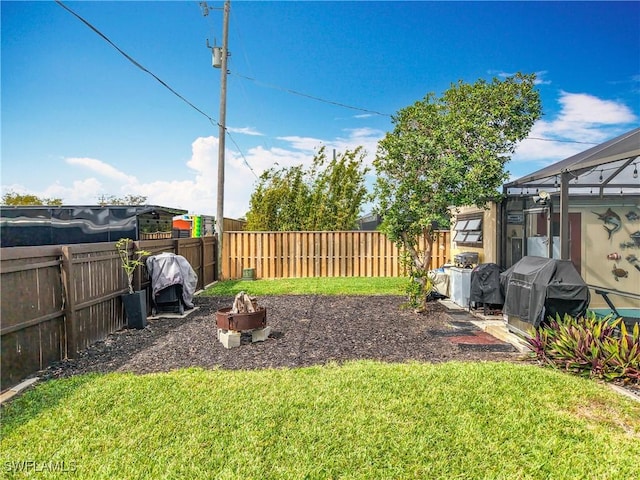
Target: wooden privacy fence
319, 254
58, 300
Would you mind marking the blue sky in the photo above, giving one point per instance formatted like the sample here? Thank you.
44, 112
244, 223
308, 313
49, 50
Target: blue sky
79, 120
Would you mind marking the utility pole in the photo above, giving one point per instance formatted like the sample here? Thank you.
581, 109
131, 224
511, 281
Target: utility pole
220, 61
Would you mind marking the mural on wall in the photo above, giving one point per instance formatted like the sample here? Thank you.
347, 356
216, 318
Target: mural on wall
633, 216
619, 273
610, 218
613, 223
633, 260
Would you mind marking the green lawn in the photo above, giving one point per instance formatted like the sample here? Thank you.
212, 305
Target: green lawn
312, 286
362, 420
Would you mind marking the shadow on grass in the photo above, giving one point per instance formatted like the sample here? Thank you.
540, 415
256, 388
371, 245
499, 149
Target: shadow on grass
36, 401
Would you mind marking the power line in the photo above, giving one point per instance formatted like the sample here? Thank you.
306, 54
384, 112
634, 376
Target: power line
312, 97
372, 111
563, 141
242, 155
288, 90
132, 60
162, 82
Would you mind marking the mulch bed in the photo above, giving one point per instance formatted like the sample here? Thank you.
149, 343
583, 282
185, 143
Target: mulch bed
306, 330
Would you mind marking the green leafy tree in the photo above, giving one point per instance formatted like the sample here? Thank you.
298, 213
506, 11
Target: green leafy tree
327, 196
338, 191
447, 152
280, 201
17, 199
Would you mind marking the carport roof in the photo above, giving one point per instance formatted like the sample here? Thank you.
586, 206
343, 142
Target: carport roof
608, 168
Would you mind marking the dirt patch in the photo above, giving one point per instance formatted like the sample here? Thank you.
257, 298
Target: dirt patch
306, 330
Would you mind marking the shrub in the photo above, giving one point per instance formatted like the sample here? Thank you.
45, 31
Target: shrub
589, 346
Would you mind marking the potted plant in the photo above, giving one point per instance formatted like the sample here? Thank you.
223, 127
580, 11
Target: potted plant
135, 302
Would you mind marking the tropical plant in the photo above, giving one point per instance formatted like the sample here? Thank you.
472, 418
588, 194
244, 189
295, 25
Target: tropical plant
589, 346
449, 152
130, 261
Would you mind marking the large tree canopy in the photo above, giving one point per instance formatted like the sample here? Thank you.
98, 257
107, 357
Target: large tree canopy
449, 151
327, 196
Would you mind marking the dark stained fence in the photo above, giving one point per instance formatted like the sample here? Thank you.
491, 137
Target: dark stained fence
93, 281
32, 311
58, 300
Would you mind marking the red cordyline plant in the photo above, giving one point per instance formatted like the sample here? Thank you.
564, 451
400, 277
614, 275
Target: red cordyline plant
589, 346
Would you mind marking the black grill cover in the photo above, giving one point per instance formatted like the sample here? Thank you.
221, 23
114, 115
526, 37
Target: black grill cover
485, 284
536, 288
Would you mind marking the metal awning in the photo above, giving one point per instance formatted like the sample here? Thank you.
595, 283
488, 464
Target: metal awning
606, 169
610, 168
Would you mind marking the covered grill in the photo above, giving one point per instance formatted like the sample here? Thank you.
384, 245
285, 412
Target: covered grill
536, 288
173, 282
485, 285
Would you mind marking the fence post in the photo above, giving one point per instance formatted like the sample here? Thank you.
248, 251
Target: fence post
217, 258
70, 330
214, 246
201, 268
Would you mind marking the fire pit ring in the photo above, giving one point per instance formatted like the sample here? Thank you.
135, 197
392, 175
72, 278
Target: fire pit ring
226, 320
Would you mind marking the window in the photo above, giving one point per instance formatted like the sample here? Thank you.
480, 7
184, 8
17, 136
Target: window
468, 230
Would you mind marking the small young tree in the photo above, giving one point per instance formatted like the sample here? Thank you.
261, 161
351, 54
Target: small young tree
130, 260
447, 152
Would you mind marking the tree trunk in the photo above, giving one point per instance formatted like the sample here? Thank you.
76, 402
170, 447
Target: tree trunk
421, 260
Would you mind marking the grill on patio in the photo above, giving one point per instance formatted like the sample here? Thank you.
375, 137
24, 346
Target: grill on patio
537, 288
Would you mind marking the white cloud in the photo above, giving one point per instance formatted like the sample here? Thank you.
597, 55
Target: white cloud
101, 168
262, 159
198, 195
582, 118
81, 192
195, 188
204, 156
307, 144
583, 121
246, 131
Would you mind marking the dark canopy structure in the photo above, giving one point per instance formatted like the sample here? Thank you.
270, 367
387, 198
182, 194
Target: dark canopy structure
610, 168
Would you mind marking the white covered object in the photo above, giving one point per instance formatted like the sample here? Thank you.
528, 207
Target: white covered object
167, 269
